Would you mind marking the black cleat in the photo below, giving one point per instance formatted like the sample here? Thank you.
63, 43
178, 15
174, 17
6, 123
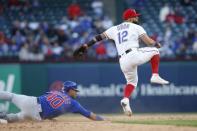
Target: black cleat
3, 115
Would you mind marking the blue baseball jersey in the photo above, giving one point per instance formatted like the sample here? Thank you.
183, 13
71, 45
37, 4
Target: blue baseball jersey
56, 103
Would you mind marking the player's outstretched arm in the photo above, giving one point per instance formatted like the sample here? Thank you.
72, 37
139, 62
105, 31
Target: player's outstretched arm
150, 42
77, 108
95, 117
96, 39
84, 47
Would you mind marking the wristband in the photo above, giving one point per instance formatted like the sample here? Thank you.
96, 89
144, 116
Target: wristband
92, 42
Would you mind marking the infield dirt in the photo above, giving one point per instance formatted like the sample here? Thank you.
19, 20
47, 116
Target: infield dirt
78, 123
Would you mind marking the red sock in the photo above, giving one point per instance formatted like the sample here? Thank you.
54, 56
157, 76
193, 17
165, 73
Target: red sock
128, 90
155, 64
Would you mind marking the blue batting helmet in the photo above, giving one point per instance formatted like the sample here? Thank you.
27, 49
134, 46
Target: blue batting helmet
67, 85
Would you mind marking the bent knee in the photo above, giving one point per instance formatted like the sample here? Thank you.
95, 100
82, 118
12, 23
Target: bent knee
134, 83
156, 51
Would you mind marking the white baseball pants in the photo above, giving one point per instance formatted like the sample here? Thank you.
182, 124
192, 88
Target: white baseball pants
130, 61
27, 104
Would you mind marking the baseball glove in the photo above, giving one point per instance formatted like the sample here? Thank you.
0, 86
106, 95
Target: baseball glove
80, 52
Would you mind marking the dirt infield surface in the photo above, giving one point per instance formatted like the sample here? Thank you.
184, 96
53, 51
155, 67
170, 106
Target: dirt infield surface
78, 123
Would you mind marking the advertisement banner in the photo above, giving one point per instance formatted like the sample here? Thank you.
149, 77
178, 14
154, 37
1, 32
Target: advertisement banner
34, 78
10, 80
101, 86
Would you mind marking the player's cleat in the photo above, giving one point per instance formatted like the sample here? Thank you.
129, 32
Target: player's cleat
158, 80
2, 121
2, 115
126, 106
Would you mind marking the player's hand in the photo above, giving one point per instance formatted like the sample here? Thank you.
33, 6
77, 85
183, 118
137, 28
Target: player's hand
158, 45
81, 51
95, 117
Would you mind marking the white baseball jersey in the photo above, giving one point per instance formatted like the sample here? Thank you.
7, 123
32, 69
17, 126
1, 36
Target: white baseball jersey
126, 36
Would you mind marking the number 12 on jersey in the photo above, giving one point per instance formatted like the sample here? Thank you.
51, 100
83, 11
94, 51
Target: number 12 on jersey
122, 36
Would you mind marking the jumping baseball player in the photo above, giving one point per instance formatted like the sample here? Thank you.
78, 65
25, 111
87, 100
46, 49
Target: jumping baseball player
126, 37
50, 105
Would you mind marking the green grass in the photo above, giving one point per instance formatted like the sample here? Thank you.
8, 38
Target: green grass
192, 123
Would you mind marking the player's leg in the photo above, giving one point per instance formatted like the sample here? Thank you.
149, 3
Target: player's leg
16, 99
15, 117
12, 117
9, 117
132, 80
145, 54
151, 54
28, 105
7, 96
130, 73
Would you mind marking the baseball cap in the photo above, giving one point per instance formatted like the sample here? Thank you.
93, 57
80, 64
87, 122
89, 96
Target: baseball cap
67, 85
129, 13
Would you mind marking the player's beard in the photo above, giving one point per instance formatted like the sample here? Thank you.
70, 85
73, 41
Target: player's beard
136, 22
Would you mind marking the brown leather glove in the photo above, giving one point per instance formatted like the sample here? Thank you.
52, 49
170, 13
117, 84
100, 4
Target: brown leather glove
81, 51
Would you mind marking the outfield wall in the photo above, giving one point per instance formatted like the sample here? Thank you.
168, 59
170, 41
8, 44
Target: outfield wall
10, 80
101, 85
